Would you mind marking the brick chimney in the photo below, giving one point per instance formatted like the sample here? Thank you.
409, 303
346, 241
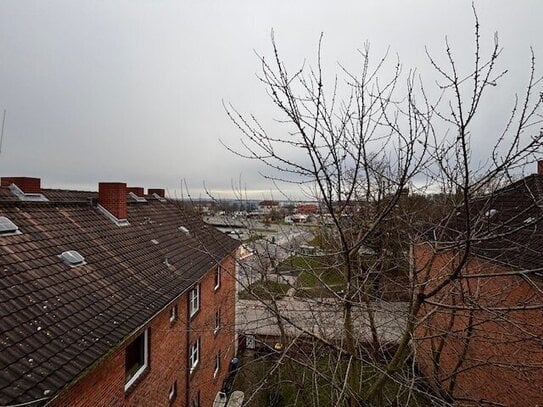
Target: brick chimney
540, 167
112, 197
158, 191
26, 184
138, 191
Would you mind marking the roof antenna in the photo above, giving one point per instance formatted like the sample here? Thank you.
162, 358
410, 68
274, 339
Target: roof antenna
2, 134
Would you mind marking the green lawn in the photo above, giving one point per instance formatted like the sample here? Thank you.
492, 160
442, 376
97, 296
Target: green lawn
265, 290
316, 292
299, 263
291, 384
315, 278
314, 275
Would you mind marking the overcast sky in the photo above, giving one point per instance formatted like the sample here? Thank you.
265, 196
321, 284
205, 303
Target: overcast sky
132, 90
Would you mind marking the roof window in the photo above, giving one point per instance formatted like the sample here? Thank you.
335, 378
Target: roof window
26, 196
531, 219
490, 213
157, 196
183, 229
8, 228
112, 217
137, 198
72, 258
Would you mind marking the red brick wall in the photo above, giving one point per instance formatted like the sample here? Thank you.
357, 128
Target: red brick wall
202, 325
112, 196
158, 191
104, 385
138, 191
25, 184
497, 354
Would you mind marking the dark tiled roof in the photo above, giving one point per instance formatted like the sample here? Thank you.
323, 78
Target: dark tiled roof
507, 226
61, 195
56, 321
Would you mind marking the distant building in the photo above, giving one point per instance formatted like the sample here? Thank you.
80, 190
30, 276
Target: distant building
307, 209
266, 207
111, 298
480, 340
298, 218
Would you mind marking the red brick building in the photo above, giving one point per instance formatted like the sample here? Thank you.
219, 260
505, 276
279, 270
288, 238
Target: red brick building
267, 207
111, 299
307, 208
480, 339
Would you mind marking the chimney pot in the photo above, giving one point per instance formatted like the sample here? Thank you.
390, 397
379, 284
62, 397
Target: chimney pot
112, 197
158, 191
28, 185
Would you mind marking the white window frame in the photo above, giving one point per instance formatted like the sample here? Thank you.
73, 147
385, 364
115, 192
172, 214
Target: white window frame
172, 393
217, 327
194, 355
194, 300
142, 369
217, 364
217, 277
173, 313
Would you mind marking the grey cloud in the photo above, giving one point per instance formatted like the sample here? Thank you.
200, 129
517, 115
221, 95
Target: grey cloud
132, 90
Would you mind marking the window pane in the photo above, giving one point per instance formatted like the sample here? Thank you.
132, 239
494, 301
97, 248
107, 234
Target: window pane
194, 299
135, 359
217, 276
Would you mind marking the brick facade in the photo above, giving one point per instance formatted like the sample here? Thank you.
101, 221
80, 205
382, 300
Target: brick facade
104, 384
203, 380
138, 191
112, 196
25, 184
158, 191
473, 347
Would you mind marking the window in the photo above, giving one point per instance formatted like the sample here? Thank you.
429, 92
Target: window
172, 393
217, 321
195, 402
194, 299
8, 228
136, 359
173, 313
194, 355
217, 277
217, 364
72, 258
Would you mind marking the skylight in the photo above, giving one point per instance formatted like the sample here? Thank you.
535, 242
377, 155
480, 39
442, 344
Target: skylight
137, 198
183, 229
72, 258
157, 196
8, 228
113, 218
490, 213
25, 196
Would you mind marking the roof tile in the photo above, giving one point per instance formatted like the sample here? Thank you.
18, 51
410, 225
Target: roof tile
64, 319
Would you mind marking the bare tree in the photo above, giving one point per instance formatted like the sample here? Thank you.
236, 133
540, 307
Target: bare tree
370, 147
